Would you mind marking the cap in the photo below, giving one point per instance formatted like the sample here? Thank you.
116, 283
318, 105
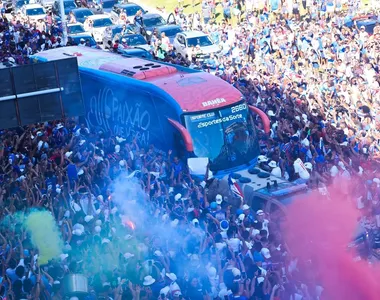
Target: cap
236, 272
262, 158
218, 199
195, 221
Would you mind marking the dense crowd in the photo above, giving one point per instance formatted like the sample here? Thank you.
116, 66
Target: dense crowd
161, 236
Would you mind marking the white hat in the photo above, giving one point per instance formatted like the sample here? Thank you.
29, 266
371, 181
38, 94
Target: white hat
304, 117
177, 197
276, 172
68, 154
67, 214
122, 163
82, 142
266, 253
100, 198
241, 217
98, 223
219, 199
82, 40
88, 218
98, 229
63, 256
305, 142
195, 221
78, 232
158, 253
272, 164
174, 223
59, 126
211, 272
262, 158
171, 276
123, 40
308, 166
298, 118
271, 113
128, 255
260, 212
106, 241
78, 226
245, 207
236, 272
194, 257
76, 206
117, 148
148, 280
203, 184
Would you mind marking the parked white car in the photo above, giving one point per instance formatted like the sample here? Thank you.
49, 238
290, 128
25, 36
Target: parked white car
96, 24
33, 12
184, 43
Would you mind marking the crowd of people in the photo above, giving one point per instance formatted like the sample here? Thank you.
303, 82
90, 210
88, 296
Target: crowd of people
316, 79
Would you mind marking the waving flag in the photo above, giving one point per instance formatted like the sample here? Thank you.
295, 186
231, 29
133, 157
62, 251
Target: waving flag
235, 188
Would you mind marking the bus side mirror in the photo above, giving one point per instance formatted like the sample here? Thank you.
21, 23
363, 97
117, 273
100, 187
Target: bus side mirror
263, 116
184, 133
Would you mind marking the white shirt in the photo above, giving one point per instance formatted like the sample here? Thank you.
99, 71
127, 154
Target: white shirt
234, 243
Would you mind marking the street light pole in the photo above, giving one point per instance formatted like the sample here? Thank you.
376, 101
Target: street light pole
64, 22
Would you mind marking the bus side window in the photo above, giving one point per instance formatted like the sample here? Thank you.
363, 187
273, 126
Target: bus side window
257, 203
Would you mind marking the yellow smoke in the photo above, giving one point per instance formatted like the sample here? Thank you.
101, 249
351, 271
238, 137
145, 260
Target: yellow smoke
44, 235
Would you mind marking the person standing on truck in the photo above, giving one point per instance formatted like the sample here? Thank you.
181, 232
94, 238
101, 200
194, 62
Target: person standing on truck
261, 218
248, 214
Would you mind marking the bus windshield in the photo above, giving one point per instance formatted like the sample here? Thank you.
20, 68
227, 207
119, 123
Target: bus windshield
225, 136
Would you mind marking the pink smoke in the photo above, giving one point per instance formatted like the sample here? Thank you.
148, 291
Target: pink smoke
319, 230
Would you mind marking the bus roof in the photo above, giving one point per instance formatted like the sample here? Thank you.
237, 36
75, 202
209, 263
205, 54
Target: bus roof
194, 91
